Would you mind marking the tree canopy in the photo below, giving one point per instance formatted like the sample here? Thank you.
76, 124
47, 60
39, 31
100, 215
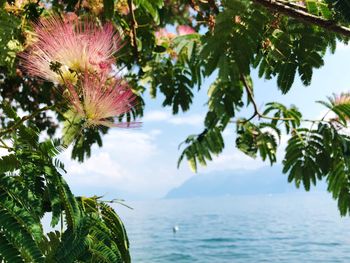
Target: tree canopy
53, 61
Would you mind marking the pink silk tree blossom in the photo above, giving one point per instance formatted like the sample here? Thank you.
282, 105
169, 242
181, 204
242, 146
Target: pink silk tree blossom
75, 45
343, 98
163, 36
163, 33
97, 99
185, 30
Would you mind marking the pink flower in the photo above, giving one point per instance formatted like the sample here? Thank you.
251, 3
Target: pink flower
163, 35
70, 16
102, 99
343, 98
75, 45
185, 30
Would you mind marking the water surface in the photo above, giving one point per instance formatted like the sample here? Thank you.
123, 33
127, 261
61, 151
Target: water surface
276, 228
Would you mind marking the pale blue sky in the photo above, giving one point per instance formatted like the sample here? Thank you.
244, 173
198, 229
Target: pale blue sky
138, 164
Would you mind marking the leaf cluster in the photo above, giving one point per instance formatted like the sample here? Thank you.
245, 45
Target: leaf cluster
233, 38
31, 186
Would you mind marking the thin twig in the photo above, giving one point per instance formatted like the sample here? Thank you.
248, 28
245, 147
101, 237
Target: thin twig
262, 116
256, 109
61, 222
250, 97
117, 201
242, 121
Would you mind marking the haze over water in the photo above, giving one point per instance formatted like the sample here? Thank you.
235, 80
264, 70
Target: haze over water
296, 227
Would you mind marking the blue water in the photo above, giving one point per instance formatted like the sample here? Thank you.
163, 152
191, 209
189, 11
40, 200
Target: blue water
277, 228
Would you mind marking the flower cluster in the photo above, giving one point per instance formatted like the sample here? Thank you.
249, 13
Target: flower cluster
79, 55
164, 36
18, 6
167, 40
342, 98
101, 99
185, 30
76, 45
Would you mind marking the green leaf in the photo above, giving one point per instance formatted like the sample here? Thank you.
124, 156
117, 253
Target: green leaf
72, 127
108, 9
10, 45
118, 231
9, 252
9, 111
151, 7
199, 148
342, 7
8, 163
286, 77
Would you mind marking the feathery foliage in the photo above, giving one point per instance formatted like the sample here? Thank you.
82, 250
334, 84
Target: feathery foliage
31, 185
281, 40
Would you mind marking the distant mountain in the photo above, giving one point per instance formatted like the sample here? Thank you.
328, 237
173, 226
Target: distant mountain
267, 180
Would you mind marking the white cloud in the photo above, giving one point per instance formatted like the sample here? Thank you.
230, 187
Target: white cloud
99, 170
233, 160
130, 161
164, 116
156, 116
194, 119
130, 145
156, 132
138, 162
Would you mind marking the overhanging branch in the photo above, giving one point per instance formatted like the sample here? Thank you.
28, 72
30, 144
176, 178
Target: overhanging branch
134, 26
23, 119
304, 16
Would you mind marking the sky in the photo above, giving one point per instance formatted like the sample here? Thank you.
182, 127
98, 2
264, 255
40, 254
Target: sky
136, 164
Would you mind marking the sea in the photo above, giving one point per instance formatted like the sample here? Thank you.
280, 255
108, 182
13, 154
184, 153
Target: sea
294, 227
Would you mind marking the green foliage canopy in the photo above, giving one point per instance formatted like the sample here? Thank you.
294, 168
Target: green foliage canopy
281, 39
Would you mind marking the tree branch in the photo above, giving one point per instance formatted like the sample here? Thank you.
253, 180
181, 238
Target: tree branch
250, 97
304, 16
255, 105
257, 113
23, 119
133, 27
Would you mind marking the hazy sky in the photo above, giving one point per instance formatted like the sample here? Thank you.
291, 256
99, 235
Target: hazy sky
141, 163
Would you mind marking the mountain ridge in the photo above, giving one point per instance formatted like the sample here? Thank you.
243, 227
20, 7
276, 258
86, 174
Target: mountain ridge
266, 180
